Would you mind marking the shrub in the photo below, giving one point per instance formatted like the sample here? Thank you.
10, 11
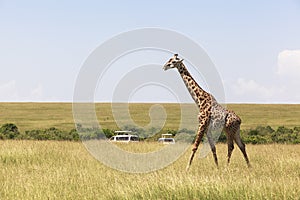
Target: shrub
9, 131
108, 133
173, 132
74, 135
259, 135
283, 130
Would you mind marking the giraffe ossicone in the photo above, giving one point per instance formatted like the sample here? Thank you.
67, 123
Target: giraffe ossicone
212, 116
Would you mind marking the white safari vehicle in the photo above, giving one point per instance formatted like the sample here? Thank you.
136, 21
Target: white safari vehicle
124, 136
166, 139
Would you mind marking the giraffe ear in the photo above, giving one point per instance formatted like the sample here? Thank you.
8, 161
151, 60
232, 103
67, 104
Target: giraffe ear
181, 60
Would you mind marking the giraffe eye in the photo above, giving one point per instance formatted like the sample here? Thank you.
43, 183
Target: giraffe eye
173, 61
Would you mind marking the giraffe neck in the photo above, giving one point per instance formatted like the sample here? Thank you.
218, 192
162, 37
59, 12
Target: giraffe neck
197, 93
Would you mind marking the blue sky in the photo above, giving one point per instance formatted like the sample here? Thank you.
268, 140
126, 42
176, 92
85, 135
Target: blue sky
255, 45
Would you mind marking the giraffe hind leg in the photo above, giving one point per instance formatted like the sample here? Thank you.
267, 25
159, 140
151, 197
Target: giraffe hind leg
230, 147
213, 147
242, 146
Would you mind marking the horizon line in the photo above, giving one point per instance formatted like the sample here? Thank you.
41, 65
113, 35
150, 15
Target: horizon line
148, 102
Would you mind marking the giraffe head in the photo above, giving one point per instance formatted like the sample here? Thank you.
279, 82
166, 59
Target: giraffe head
174, 62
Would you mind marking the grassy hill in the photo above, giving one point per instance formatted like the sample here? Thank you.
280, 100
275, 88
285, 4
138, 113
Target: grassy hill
28, 116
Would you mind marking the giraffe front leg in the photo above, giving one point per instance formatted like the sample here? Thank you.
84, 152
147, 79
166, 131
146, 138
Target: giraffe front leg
202, 129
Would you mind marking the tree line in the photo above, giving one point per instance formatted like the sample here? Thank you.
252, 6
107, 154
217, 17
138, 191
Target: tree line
259, 135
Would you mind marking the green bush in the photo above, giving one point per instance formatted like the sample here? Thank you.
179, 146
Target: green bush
51, 134
266, 135
74, 135
108, 133
259, 135
9, 131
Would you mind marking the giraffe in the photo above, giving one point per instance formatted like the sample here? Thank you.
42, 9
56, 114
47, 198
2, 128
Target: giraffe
212, 116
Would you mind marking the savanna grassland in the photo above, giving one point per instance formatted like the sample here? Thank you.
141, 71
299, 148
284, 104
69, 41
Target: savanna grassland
65, 170
28, 116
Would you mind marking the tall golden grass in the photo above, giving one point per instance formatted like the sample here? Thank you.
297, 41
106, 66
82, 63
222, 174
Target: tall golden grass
65, 170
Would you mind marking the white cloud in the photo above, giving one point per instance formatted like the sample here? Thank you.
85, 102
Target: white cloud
252, 91
8, 91
282, 88
37, 93
251, 87
289, 63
